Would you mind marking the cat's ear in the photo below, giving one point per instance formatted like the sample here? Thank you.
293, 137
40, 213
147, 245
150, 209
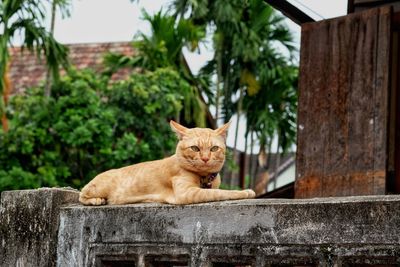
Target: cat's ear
223, 130
178, 129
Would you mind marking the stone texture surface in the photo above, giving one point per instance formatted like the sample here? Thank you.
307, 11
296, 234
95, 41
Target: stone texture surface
326, 231
28, 225
47, 227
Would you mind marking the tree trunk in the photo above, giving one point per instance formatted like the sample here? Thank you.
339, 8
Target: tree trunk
218, 87
244, 165
47, 87
252, 179
6, 94
239, 113
277, 163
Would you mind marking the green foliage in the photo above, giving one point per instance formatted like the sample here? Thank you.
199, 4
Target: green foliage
163, 49
276, 114
28, 17
253, 54
87, 126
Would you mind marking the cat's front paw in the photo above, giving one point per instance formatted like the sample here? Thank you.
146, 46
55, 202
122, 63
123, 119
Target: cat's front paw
96, 201
250, 193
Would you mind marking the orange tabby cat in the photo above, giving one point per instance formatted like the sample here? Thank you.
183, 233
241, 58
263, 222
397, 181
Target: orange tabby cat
189, 176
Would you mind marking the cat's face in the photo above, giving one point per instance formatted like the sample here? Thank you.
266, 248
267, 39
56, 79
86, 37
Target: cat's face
201, 150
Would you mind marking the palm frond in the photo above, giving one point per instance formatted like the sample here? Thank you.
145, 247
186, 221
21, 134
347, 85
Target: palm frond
27, 16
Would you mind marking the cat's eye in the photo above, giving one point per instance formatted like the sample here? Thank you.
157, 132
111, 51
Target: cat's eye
214, 149
195, 148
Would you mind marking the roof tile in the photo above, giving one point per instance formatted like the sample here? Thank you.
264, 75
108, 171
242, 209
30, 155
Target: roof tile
28, 71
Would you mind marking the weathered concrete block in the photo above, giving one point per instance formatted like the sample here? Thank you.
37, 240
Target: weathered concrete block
29, 222
326, 231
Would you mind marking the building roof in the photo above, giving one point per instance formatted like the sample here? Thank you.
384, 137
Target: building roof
290, 11
27, 71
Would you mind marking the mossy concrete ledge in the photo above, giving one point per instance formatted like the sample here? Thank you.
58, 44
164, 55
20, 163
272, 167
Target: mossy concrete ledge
29, 221
324, 232
47, 227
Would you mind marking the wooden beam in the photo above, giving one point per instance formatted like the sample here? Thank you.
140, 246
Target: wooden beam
360, 5
373, 2
395, 107
343, 108
290, 11
350, 6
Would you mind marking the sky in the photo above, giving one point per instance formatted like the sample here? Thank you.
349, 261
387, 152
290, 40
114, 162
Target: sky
118, 20
94, 21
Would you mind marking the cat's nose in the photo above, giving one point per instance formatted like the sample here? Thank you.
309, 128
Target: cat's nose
205, 159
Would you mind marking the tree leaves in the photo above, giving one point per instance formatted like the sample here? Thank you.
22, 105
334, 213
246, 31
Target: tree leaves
27, 17
253, 50
163, 49
87, 126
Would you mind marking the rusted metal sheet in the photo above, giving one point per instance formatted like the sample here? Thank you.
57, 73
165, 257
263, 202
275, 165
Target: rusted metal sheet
343, 105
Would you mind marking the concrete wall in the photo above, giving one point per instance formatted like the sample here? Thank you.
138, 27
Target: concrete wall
29, 222
325, 232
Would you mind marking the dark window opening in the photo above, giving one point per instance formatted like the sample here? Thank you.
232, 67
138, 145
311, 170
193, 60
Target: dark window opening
227, 264
293, 262
166, 261
116, 263
370, 262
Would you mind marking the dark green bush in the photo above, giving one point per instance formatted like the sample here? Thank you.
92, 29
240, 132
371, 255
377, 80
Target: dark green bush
88, 125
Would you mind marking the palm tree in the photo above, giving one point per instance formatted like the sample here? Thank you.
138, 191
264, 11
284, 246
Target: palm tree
271, 113
248, 39
26, 17
242, 30
163, 49
64, 8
